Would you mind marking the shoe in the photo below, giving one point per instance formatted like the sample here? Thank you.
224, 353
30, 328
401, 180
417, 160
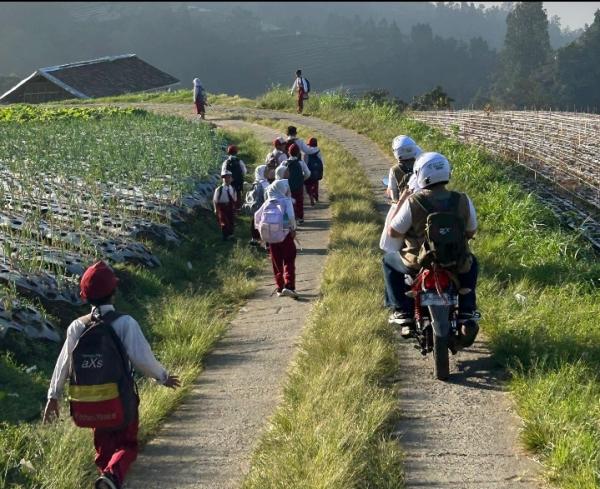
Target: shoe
300, 221
279, 292
253, 242
468, 316
106, 481
406, 321
289, 293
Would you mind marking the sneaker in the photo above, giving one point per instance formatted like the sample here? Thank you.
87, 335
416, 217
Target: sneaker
400, 318
279, 292
289, 293
300, 221
468, 315
106, 481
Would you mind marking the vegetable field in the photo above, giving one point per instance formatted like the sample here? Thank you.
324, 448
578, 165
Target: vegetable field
78, 184
559, 147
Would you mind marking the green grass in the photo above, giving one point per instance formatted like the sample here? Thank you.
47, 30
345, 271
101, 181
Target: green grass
550, 339
182, 311
332, 428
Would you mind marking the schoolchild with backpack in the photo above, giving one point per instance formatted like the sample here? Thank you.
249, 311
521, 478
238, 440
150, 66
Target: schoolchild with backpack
292, 138
434, 226
255, 198
237, 168
302, 85
276, 223
298, 173
224, 202
98, 356
274, 158
314, 162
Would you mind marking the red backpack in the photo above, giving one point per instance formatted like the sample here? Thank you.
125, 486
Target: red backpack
102, 390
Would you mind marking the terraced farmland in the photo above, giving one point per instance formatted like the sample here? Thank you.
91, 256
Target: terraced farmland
558, 147
78, 184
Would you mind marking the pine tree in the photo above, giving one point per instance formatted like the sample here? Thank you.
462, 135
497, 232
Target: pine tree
524, 78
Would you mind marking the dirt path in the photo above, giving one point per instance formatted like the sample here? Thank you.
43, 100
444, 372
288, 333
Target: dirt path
207, 442
461, 434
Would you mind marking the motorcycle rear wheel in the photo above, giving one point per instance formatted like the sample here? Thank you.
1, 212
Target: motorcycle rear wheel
441, 360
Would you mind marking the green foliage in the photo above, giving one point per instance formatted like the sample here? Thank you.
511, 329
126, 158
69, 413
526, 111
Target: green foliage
435, 99
183, 308
28, 113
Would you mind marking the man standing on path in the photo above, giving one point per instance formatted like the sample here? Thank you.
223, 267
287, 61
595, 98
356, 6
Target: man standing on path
300, 84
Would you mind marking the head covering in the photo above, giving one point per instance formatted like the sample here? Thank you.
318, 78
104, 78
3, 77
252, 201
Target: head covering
97, 282
312, 142
278, 190
280, 172
225, 173
259, 173
278, 141
197, 82
232, 149
294, 150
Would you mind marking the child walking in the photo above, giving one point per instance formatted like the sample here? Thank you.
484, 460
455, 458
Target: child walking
237, 168
277, 225
298, 173
314, 162
224, 201
116, 449
255, 199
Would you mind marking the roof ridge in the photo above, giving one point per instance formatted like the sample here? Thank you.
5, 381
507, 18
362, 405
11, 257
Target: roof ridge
84, 63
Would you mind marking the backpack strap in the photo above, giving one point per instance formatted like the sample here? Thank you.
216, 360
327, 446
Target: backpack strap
423, 203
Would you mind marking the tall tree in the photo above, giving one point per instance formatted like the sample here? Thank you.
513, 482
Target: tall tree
523, 78
578, 70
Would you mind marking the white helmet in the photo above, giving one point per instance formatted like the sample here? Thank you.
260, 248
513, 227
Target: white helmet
431, 168
405, 148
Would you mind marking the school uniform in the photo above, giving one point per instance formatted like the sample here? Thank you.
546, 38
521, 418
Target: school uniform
312, 184
224, 200
298, 193
300, 85
115, 450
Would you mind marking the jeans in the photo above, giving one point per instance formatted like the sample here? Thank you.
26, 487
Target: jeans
394, 271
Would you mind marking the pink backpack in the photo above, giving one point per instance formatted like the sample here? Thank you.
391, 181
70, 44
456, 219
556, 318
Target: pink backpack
268, 221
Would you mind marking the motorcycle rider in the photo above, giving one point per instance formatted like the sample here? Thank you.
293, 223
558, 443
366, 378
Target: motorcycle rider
432, 176
405, 150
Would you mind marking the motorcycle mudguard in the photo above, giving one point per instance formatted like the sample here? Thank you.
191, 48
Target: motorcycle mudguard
440, 321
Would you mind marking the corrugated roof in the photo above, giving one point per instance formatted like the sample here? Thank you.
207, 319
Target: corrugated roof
102, 77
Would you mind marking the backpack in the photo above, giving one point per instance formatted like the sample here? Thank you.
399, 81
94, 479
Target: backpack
296, 178
315, 165
254, 199
233, 165
270, 222
102, 390
307, 84
445, 243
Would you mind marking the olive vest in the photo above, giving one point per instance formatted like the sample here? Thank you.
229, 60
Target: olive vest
402, 172
415, 236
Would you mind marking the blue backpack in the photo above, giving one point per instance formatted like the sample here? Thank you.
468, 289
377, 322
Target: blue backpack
307, 85
315, 165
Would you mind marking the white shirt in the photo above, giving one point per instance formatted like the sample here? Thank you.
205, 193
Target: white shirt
304, 148
402, 221
129, 332
242, 166
297, 82
223, 198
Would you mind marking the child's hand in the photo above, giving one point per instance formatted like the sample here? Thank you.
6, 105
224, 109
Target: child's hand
51, 410
172, 382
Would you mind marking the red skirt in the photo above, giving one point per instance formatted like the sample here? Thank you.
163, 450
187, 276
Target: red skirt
226, 217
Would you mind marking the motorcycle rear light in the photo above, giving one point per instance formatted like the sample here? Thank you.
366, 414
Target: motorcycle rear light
431, 277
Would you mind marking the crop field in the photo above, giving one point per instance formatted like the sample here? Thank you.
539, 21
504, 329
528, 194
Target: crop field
78, 184
560, 147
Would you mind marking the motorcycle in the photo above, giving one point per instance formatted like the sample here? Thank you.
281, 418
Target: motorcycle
435, 292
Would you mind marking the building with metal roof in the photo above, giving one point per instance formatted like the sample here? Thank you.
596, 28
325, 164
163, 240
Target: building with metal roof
102, 77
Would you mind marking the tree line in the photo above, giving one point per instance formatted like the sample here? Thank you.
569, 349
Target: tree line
406, 50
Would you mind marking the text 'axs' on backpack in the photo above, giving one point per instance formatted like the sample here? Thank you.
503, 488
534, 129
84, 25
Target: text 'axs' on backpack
102, 390
315, 165
269, 222
296, 178
445, 243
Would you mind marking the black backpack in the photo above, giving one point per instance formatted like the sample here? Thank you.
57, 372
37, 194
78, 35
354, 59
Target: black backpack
445, 242
315, 165
233, 165
296, 178
102, 390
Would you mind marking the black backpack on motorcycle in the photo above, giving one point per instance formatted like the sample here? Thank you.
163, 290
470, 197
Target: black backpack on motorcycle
445, 239
102, 390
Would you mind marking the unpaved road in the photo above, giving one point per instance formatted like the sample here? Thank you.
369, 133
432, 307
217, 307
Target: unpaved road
460, 434
208, 441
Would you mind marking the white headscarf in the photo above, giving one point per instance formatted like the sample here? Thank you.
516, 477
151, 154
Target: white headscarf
280, 172
259, 173
197, 82
278, 190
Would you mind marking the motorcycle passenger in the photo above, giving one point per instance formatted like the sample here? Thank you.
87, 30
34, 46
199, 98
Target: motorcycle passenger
409, 224
405, 150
